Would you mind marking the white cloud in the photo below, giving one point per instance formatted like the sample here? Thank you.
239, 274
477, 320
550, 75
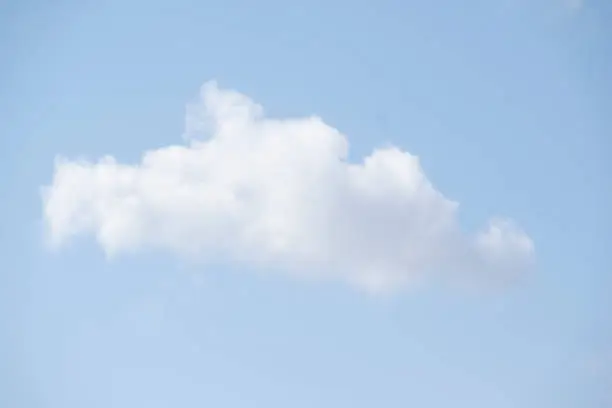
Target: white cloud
574, 4
278, 193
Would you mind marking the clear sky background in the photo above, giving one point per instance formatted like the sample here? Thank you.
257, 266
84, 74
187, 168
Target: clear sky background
508, 105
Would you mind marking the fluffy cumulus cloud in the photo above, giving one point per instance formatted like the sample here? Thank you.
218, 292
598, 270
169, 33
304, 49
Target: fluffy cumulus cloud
279, 194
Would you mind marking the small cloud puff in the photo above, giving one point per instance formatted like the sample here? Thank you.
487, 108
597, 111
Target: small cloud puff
278, 193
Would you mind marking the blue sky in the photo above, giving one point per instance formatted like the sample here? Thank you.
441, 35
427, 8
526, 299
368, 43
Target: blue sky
507, 105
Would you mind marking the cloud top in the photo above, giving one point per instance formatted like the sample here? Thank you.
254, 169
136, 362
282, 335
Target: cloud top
278, 193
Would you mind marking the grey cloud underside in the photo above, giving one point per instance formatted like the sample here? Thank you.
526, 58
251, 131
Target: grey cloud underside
280, 193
